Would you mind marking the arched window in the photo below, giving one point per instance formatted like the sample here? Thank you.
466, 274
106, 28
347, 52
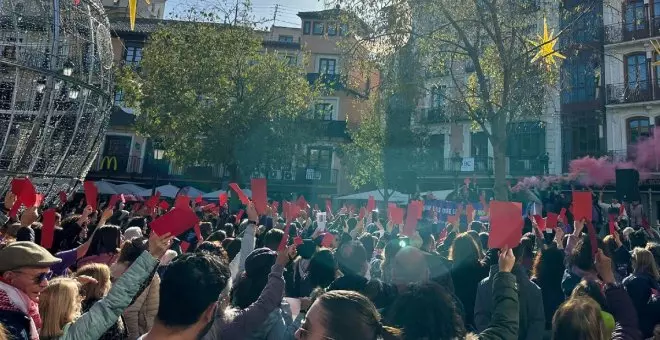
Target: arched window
637, 73
638, 128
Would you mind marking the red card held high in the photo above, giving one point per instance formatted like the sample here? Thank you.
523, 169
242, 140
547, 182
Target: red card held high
164, 205
182, 202
285, 238
582, 205
371, 204
259, 194
506, 224
241, 195
174, 222
153, 200
48, 228
411, 219
540, 222
113, 201
397, 215
239, 216
551, 221
63, 197
91, 194
222, 199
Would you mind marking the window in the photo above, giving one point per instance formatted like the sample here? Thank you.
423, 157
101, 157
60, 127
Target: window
291, 60
286, 38
332, 29
579, 78
343, 29
327, 66
479, 145
133, 55
319, 158
526, 140
657, 68
635, 16
6, 94
636, 71
319, 28
324, 111
307, 27
638, 129
438, 96
119, 97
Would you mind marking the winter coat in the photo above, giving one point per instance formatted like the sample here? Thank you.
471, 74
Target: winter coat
531, 312
467, 279
572, 277
623, 310
504, 319
553, 297
116, 331
140, 315
381, 294
103, 314
279, 325
639, 287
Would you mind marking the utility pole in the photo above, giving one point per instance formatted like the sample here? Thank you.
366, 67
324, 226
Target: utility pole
277, 6
236, 13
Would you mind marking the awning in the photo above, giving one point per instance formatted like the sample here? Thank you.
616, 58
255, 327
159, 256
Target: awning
168, 191
394, 197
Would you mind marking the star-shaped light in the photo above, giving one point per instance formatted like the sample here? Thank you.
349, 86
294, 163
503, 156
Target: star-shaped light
546, 46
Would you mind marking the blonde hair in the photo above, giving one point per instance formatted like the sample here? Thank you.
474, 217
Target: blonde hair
579, 318
643, 261
3, 333
59, 304
100, 272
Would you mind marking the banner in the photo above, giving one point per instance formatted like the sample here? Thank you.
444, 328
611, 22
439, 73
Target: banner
449, 208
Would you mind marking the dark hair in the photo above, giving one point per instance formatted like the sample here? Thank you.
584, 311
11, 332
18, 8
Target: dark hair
351, 258
191, 283
254, 279
582, 256
139, 222
106, 240
426, 311
229, 229
273, 238
322, 269
549, 267
213, 249
477, 226
590, 289
464, 250
654, 248
206, 228
233, 247
352, 223
638, 239
368, 242
483, 237
131, 250
217, 236
350, 315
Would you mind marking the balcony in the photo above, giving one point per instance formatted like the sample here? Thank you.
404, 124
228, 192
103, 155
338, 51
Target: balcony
302, 176
630, 93
433, 115
457, 167
329, 81
621, 32
335, 129
524, 166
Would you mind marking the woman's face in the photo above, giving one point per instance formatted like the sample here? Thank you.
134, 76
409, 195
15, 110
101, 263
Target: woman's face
313, 328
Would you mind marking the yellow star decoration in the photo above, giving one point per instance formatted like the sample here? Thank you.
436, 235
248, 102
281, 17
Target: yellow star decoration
656, 47
132, 11
546, 46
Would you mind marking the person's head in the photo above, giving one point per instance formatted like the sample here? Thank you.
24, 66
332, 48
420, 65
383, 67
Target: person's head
25, 234
206, 228
582, 256
477, 240
638, 239
344, 315
26, 266
654, 248
426, 311
217, 236
644, 263
59, 305
352, 258
213, 248
189, 291
483, 237
549, 266
131, 250
322, 268
273, 238
579, 318
464, 250
409, 266
254, 278
106, 240
369, 243
591, 289
228, 228
477, 226
101, 273
233, 247
428, 242
139, 222
132, 232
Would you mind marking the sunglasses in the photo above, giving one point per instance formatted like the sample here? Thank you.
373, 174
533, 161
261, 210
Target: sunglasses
41, 277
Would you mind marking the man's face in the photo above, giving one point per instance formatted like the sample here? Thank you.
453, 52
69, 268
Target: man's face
31, 281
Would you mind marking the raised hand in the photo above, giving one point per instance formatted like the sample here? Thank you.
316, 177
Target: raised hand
507, 260
158, 245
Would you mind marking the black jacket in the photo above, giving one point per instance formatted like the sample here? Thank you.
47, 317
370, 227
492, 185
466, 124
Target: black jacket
16, 324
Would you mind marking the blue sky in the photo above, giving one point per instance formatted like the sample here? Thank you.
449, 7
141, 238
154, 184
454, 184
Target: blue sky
286, 14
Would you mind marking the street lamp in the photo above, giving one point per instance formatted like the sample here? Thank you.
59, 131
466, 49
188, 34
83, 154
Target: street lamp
158, 156
68, 68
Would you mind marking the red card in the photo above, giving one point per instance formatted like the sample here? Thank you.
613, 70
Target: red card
286, 210
208, 207
48, 228
198, 233
562, 215
593, 239
582, 205
298, 240
164, 205
363, 212
113, 201
182, 202
28, 195
17, 185
122, 198
259, 195
153, 200
371, 204
241, 195
184, 246
327, 240
470, 213
506, 224
198, 200
223, 198
452, 219
411, 219
420, 209
294, 210
275, 206
63, 197
540, 222
551, 221
612, 227
285, 238
397, 215
136, 207
302, 203
175, 222
239, 216
91, 194
328, 206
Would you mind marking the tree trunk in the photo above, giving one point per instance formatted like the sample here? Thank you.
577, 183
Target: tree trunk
499, 141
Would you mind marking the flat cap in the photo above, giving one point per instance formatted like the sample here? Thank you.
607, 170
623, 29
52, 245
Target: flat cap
25, 254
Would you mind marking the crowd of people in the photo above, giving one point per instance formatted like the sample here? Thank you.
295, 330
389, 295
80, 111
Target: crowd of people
107, 275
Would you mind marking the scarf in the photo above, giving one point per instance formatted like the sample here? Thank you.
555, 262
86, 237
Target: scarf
12, 299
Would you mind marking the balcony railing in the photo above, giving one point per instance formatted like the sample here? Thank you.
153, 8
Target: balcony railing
301, 176
330, 81
433, 115
630, 92
624, 31
457, 167
522, 166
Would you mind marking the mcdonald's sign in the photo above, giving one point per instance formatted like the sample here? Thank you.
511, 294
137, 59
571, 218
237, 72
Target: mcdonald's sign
108, 162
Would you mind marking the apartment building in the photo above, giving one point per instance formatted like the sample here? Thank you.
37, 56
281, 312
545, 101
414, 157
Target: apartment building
125, 156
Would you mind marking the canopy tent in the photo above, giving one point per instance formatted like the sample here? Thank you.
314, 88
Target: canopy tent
439, 194
168, 191
104, 188
131, 189
394, 197
214, 196
192, 192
